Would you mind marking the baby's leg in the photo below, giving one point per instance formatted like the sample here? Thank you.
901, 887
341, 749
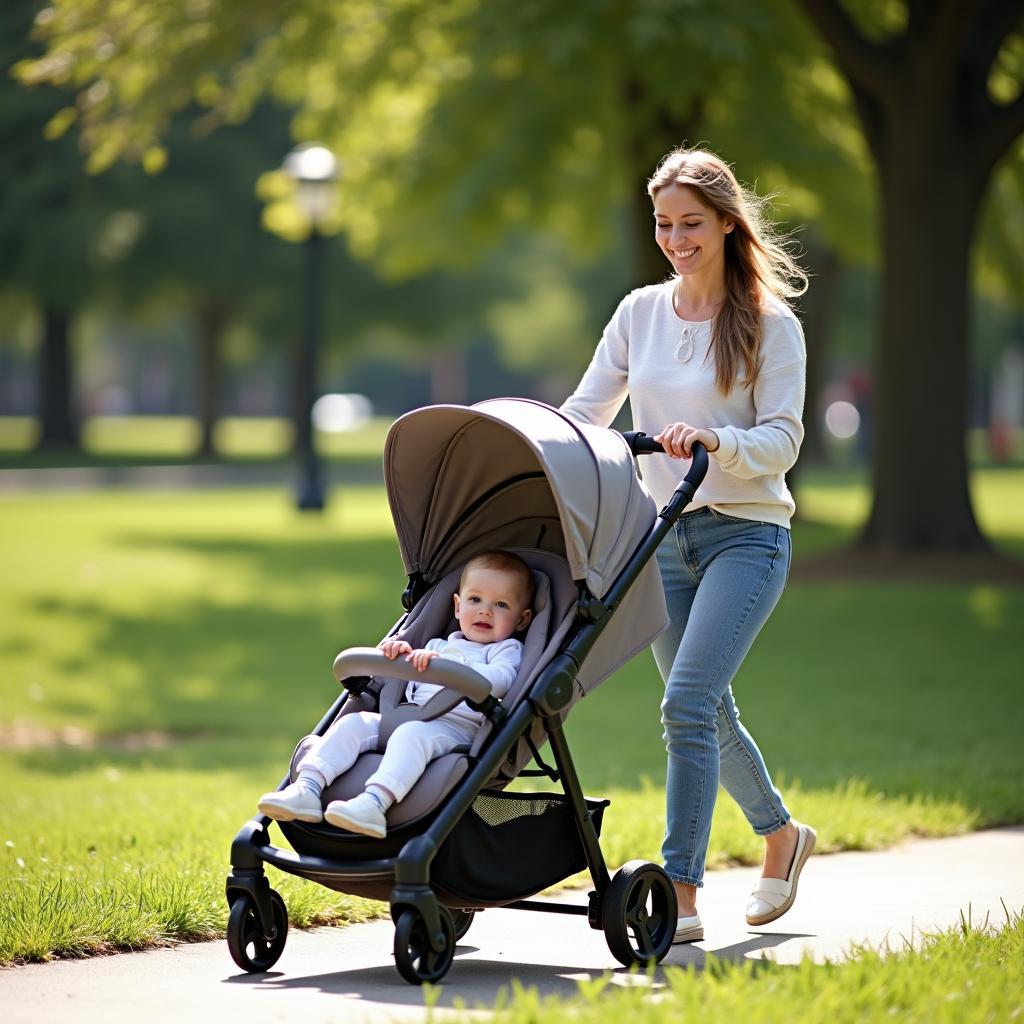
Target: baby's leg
326, 759
336, 751
411, 747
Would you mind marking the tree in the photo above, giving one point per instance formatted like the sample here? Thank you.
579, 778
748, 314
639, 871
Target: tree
199, 240
460, 122
51, 220
922, 90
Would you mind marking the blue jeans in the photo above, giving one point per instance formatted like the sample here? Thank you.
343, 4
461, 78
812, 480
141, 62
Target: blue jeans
722, 578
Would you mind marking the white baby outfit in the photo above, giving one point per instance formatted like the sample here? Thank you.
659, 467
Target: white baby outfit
414, 744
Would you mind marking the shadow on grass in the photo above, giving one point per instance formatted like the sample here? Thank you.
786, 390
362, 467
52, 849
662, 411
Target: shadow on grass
912, 688
253, 657
249, 757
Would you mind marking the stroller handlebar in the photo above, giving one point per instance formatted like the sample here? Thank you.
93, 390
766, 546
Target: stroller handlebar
643, 444
369, 661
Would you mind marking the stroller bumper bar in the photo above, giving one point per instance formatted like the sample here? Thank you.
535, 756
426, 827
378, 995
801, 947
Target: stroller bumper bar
360, 662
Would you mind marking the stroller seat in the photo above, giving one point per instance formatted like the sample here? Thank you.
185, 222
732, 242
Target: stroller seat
433, 616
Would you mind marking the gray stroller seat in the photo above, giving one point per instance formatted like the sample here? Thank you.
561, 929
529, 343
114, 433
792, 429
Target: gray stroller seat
432, 616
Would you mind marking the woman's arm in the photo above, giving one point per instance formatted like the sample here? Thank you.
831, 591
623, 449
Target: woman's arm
602, 390
772, 444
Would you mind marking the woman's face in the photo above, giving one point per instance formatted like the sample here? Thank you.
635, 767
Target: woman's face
690, 233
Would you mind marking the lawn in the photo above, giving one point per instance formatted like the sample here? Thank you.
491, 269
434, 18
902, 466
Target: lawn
163, 652
970, 973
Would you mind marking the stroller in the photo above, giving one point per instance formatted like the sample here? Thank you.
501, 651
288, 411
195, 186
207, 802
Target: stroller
566, 498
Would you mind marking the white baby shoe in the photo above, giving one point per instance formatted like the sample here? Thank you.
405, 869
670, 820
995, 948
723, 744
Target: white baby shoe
293, 803
361, 814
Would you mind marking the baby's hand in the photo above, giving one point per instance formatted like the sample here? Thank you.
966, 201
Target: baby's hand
421, 659
393, 648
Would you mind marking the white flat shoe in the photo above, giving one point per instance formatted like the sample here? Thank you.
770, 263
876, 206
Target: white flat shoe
293, 803
689, 929
774, 896
361, 814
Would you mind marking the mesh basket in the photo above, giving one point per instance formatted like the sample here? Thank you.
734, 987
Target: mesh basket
508, 846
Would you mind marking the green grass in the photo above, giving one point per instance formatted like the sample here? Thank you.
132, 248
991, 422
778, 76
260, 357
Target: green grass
123, 851
155, 440
970, 973
188, 639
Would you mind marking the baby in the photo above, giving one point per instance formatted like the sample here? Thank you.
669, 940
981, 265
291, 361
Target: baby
492, 603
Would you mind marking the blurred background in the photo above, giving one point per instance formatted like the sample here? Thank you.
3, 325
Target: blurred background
239, 237
164, 283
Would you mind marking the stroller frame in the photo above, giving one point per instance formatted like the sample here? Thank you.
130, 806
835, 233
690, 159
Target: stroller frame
636, 909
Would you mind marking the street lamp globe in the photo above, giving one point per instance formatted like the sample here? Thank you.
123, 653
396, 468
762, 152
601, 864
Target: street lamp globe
315, 170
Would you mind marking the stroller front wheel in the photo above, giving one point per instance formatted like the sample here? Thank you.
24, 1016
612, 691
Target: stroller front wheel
639, 914
246, 942
415, 959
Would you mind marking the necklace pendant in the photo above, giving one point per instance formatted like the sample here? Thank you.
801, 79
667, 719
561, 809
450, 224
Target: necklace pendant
684, 351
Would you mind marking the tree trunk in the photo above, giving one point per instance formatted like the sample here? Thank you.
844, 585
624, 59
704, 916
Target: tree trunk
647, 262
650, 141
59, 425
448, 381
921, 499
211, 318
818, 317
924, 103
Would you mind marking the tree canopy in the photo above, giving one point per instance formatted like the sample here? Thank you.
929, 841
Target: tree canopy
459, 122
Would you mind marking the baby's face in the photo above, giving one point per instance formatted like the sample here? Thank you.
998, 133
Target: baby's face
490, 606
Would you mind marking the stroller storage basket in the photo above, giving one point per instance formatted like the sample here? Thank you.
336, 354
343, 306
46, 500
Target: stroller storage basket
508, 846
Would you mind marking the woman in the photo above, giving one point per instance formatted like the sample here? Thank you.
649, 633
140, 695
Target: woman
714, 354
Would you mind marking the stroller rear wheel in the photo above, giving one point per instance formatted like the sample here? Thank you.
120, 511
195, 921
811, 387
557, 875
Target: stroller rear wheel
416, 961
639, 914
246, 943
462, 919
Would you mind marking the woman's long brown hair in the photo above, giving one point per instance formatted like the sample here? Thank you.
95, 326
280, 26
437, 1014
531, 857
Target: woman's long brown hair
756, 260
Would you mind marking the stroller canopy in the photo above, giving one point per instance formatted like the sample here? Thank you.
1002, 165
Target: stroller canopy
513, 473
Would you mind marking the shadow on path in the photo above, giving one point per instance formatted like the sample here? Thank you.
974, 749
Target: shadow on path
481, 981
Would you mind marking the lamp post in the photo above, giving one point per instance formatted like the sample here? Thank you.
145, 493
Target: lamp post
314, 169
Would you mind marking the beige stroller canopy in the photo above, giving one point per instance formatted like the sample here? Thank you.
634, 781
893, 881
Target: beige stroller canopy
457, 473
514, 473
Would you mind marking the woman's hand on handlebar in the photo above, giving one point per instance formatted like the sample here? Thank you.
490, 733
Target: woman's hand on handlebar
677, 439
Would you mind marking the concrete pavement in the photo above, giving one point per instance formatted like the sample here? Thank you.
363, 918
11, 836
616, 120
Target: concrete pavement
885, 898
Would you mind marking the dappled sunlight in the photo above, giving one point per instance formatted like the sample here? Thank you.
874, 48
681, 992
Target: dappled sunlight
190, 613
163, 653
987, 606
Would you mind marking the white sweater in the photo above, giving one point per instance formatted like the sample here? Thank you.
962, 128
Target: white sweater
664, 366
497, 662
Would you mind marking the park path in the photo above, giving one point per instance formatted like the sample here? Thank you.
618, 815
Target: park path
884, 898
